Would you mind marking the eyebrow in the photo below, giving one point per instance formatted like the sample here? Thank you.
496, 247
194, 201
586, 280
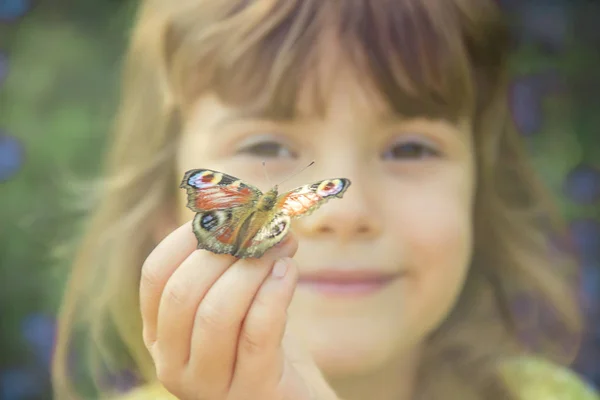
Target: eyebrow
270, 113
251, 114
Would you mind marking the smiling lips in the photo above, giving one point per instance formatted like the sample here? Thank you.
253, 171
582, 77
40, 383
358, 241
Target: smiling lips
347, 282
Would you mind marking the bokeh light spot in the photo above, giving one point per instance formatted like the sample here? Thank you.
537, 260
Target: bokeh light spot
13, 9
526, 105
586, 237
582, 184
20, 383
39, 332
546, 24
11, 156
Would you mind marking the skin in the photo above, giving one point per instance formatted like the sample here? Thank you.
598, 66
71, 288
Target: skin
214, 324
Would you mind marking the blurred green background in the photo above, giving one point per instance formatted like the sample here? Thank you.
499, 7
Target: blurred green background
59, 69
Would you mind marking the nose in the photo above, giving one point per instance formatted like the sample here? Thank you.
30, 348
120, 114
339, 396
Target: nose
355, 216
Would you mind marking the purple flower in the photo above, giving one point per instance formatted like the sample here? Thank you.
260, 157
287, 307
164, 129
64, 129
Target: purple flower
11, 10
20, 383
39, 332
546, 24
590, 287
582, 184
11, 156
586, 237
526, 96
526, 105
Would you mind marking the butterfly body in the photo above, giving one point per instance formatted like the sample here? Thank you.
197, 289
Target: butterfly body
233, 217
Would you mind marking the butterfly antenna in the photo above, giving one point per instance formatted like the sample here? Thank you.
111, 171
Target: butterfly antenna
295, 173
264, 163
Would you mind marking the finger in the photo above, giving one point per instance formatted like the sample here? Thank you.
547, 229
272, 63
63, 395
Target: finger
259, 355
220, 315
157, 269
182, 295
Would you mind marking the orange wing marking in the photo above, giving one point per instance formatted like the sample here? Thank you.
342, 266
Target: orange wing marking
298, 203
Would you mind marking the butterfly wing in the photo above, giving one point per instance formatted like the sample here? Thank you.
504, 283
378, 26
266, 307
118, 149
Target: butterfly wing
306, 199
222, 204
273, 231
293, 204
218, 230
227, 213
210, 190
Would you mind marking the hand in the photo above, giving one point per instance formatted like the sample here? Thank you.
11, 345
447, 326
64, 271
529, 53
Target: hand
214, 324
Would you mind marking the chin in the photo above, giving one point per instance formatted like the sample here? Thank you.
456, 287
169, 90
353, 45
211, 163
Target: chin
337, 362
350, 350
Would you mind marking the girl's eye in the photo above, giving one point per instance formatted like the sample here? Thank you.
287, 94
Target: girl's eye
410, 150
267, 149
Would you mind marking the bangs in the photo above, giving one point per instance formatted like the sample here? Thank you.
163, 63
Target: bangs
422, 57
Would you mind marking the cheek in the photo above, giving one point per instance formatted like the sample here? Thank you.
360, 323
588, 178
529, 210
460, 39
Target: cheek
437, 239
438, 230
439, 249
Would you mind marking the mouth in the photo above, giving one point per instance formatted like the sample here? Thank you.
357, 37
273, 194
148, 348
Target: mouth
347, 283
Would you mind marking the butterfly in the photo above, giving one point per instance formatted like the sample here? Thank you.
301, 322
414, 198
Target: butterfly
234, 217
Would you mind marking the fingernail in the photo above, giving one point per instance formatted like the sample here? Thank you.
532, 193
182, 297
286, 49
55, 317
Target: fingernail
280, 268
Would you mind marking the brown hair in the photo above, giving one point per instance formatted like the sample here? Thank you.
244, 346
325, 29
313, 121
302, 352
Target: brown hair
438, 58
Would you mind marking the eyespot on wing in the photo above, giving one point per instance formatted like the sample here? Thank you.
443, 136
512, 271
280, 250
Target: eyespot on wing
213, 190
332, 187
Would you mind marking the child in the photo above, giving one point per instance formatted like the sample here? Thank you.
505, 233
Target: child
405, 288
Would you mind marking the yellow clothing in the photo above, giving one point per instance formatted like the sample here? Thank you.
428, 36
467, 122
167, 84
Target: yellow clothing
537, 379
531, 378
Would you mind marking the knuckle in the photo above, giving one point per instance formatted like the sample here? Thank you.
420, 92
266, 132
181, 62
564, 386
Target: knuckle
211, 318
265, 315
149, 277
177, 292
148, 341
254, 342
263, 306
262, 330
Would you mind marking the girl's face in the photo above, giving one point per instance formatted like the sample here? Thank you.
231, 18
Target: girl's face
382, 267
